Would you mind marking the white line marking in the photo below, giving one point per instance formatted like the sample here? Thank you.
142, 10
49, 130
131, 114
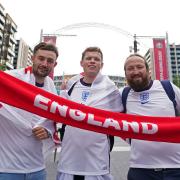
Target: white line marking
121, 148
115, 149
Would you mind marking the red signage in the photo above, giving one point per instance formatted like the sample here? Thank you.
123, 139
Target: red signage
49, 39
160, 59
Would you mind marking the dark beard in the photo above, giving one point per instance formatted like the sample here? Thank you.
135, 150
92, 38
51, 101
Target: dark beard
41, 75
139, 85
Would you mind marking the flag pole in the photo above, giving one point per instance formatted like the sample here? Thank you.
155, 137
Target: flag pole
41, 35
168, 57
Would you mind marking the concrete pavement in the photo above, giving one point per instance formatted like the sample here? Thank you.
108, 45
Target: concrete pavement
119, 161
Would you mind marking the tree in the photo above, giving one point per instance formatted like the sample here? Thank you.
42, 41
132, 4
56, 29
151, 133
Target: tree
2, 67
176, 80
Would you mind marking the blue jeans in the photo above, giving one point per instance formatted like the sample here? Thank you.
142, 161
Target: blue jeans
154, 174
39, 175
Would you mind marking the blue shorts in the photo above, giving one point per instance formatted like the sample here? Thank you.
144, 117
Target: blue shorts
154, 174
39, 175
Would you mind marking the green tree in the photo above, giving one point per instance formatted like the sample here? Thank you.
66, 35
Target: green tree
176, 80
2, 67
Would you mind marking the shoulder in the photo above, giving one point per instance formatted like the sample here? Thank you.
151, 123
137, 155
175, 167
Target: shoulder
156, 85
166, 83
72, 80
104, 81
121, 89
49, 85
16, 72
156, 82
175, 88
49, 80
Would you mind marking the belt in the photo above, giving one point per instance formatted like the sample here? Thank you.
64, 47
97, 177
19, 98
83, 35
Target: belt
165, 169
78, 177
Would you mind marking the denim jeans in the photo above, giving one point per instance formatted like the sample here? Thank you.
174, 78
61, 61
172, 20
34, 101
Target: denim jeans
154, 174
39, 175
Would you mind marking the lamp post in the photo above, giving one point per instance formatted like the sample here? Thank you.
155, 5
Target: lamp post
54, 35
135, 48
135, 44
51, 38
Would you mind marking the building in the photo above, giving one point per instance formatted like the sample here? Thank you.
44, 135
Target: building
13, 53
118, 80
173, 61
150, 60
2, 25
8, 28
23, 54
2, 22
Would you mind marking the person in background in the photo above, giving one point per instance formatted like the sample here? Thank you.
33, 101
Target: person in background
150, 160
85, 155
22, 133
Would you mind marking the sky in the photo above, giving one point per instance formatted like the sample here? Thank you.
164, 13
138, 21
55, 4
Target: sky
108, 24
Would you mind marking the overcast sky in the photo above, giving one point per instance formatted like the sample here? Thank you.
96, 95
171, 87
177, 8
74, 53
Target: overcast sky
109, 24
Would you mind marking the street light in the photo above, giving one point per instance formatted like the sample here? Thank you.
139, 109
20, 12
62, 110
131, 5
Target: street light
135, 48
135, 42
54, 34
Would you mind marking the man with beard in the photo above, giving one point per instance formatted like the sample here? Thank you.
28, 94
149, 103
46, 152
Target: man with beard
22, 132
150, 160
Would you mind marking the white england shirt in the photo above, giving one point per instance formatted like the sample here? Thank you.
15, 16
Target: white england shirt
85, 152
153, 102
20, 151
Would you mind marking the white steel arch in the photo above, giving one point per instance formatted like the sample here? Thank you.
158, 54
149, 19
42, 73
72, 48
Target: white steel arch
95, 24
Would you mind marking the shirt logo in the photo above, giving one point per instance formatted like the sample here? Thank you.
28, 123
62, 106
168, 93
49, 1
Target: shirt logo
85, 95
144, 98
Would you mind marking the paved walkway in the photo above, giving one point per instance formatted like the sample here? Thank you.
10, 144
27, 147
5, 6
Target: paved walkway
119, 161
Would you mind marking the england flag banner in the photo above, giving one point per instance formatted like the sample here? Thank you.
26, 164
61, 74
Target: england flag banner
25, 96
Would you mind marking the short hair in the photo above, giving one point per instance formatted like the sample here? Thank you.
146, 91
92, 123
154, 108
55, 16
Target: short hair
46, 46
92, 49
138, 55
